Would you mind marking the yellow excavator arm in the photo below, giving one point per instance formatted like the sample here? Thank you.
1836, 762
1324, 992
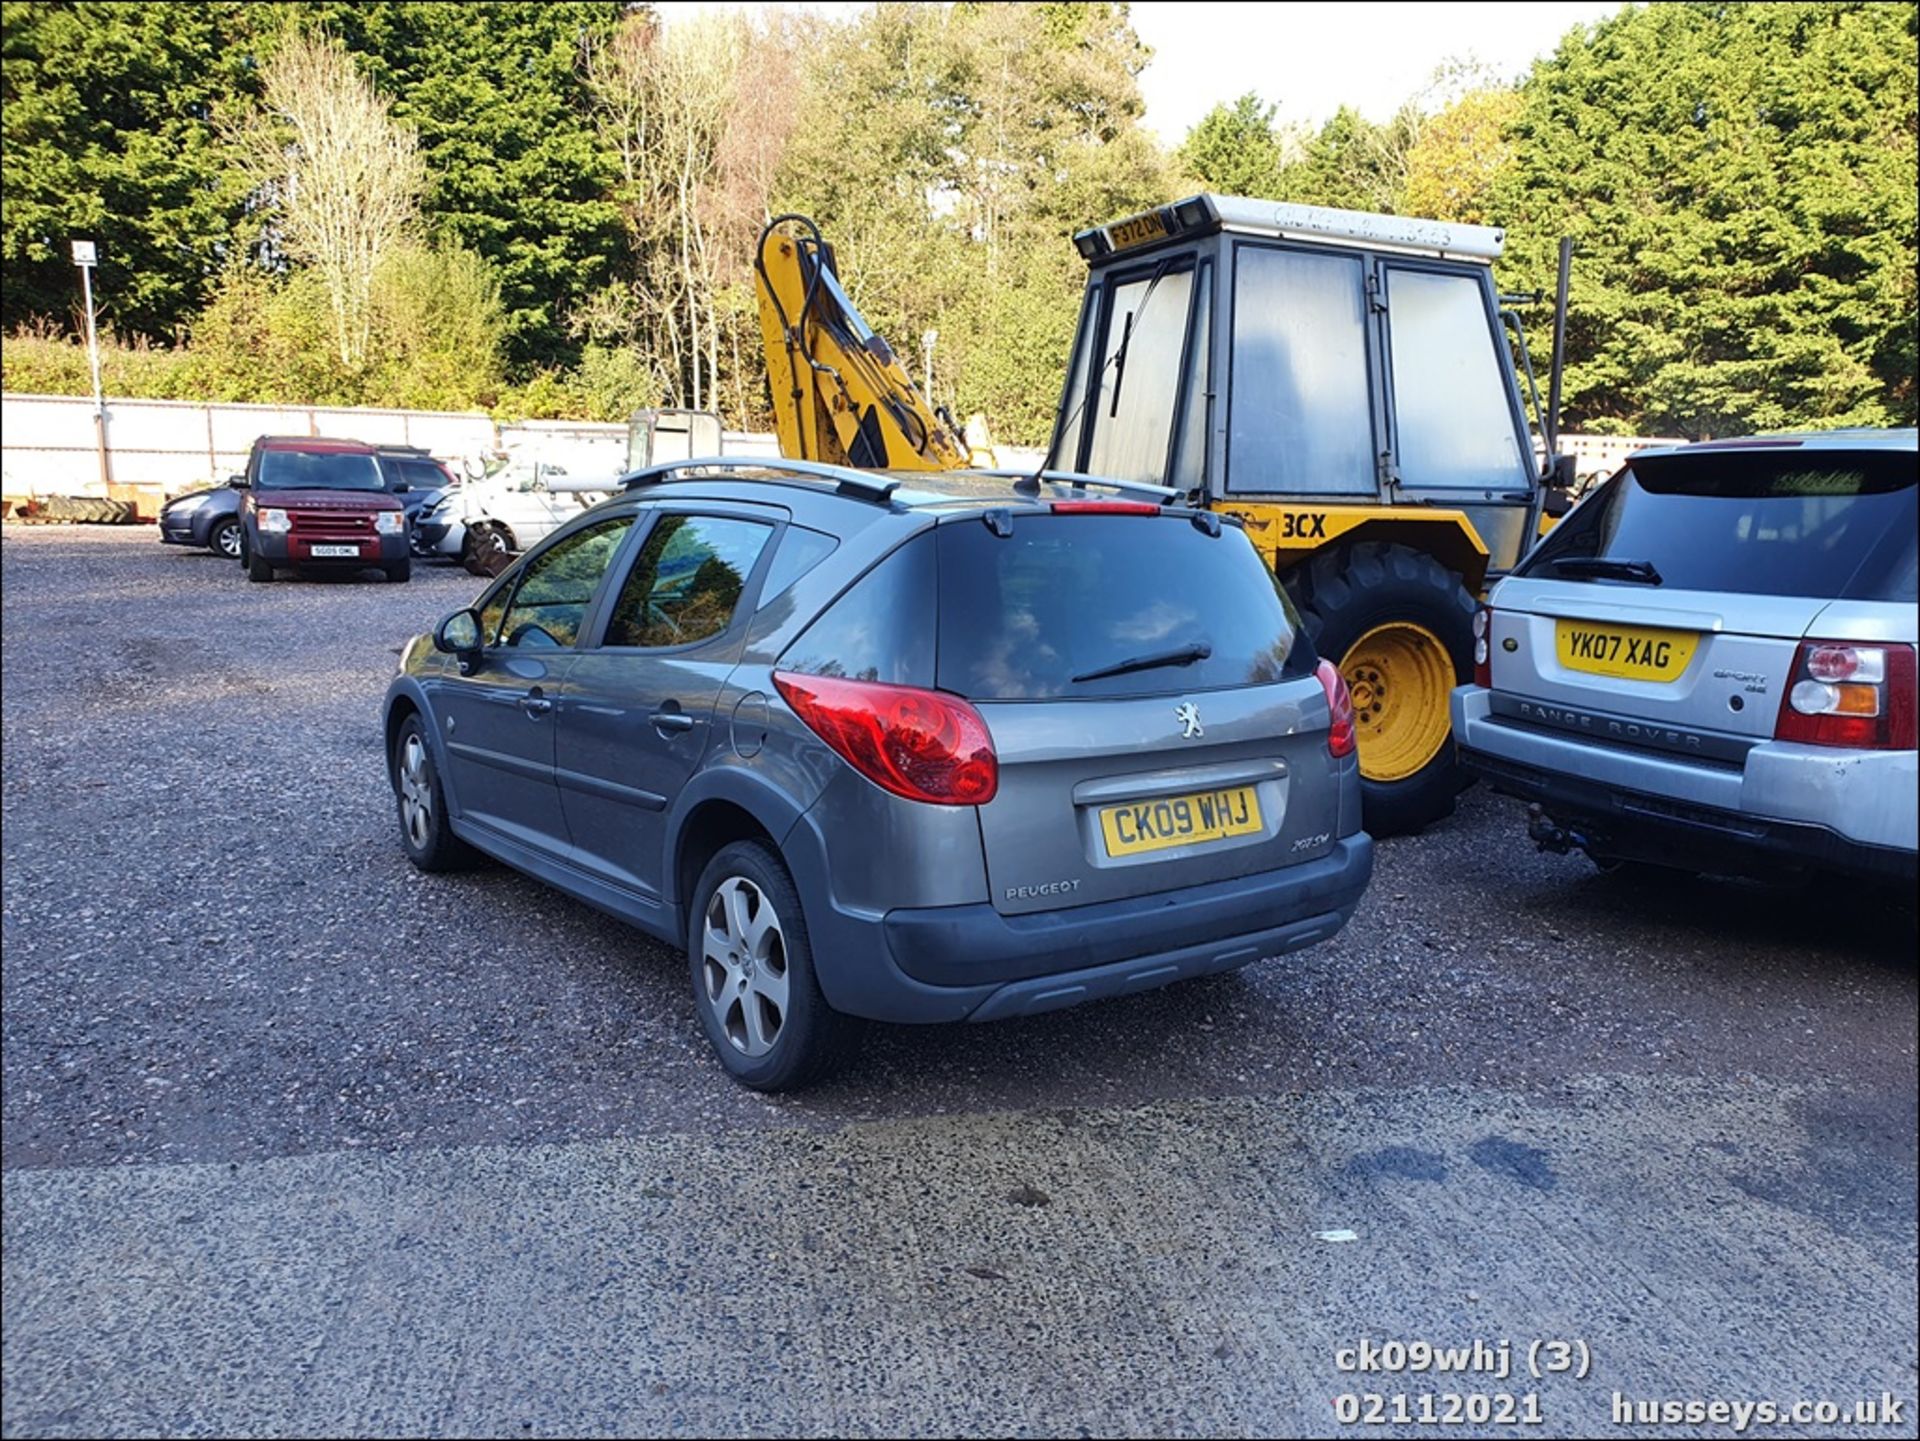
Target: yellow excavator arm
840, 394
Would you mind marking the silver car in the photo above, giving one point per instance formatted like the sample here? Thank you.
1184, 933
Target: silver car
956, 748
1710, 663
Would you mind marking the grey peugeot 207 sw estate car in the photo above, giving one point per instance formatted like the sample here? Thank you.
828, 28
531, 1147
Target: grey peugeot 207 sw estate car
972, 749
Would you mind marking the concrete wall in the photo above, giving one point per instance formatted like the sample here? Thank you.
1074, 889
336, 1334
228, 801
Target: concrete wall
49, 445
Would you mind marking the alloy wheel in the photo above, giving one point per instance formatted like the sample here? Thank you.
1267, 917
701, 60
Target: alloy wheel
743, 967
416, 793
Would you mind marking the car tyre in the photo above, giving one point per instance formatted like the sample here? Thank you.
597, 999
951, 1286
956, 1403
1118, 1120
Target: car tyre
225, 539
400, 570
257, 568
1369, 604
421, 802
754, 986
487, 549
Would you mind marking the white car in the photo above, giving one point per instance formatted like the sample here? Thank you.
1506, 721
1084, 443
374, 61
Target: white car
484, 523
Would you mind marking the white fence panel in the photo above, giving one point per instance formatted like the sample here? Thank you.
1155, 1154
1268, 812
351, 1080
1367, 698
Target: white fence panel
49, 446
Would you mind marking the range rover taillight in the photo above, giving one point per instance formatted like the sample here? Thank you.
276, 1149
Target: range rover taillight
922, 744
1845, 694
1483, 647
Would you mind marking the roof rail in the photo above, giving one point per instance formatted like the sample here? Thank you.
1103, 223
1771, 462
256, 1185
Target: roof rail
1028, 483
853, 483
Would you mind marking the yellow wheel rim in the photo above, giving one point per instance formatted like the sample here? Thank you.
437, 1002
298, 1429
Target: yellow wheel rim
1400, 677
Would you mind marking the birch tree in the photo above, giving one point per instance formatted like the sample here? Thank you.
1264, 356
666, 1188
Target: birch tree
341, 178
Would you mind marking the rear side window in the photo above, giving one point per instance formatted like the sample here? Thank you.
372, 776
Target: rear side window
1062, 605
687, 581
422, 474
881, 628
1829, 524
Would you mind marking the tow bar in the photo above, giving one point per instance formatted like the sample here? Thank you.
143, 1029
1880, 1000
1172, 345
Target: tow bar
1549, 835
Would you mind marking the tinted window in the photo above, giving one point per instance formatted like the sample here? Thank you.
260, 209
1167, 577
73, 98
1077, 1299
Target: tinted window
1449, 385
1036, 613
317, 470
1301, 419
557, 585
881, 628
686, 582
422, 474
1823, 523
800, 551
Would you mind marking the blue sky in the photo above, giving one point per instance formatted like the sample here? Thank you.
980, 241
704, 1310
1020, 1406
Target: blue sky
1311, 58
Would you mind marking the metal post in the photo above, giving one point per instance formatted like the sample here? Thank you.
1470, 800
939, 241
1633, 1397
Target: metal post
1559, 347
926, 353
84, 257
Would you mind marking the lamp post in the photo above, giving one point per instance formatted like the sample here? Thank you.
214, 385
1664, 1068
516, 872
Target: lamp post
85, 257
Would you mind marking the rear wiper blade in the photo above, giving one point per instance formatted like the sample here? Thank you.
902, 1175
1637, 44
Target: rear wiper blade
1604, 568
1179, 655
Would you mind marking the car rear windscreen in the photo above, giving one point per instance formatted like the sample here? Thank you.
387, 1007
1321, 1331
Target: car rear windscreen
1830, 524
1086, 606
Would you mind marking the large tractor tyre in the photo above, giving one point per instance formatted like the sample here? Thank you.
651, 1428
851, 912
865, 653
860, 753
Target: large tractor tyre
1399, 625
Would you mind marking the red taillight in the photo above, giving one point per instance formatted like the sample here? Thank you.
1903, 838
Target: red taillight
1845, 694
1483, 647
1340, 732
1104, 507
921, 744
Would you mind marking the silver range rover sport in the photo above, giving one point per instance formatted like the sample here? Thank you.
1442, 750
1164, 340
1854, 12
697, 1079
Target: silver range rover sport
1710, 663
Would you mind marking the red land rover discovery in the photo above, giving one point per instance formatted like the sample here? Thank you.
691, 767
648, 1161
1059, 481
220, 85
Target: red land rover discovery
314, 504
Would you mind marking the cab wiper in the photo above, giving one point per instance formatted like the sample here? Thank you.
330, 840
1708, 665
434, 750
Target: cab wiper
1603, 568
1179, 655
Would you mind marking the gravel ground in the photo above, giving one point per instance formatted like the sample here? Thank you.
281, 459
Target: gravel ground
215, 952
215, 949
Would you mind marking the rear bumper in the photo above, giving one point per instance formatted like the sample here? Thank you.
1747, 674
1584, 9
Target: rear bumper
970, 962
1782, 811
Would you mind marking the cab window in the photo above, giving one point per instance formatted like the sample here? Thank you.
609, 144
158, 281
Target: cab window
1137, 389
1301, 411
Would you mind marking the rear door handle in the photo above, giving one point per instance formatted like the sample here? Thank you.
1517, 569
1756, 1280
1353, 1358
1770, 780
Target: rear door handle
671, 720
535, 704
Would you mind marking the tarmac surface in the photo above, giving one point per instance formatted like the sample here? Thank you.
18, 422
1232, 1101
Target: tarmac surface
297, 1140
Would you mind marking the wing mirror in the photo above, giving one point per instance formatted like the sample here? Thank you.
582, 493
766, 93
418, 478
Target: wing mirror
237, 482
459, 635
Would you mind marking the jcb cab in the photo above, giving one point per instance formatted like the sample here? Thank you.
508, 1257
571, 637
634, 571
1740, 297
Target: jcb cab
1341, 382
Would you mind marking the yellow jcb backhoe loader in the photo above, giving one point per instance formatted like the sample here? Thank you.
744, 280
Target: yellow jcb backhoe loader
1340, 381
